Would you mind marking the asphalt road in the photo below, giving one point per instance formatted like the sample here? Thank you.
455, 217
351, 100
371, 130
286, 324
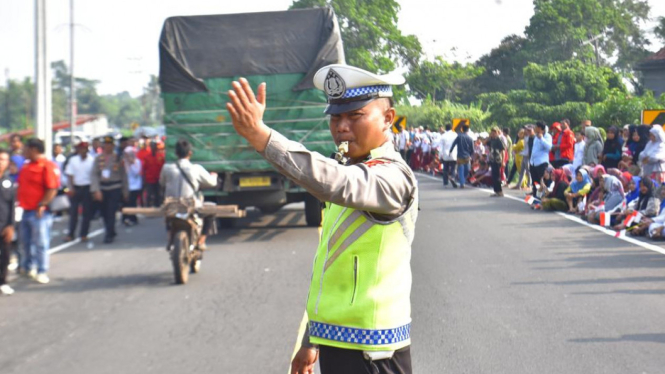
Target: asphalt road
497, 288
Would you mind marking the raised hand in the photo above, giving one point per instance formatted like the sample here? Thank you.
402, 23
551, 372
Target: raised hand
246, 112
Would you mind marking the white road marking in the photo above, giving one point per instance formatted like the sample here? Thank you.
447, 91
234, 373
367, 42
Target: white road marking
604, 230
74, 242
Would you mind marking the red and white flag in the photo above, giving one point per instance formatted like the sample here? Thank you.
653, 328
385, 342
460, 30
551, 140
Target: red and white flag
620, 234
529, 199
605, 219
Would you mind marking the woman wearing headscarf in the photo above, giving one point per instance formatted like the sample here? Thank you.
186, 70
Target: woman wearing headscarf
613, 199
594, 198
652, 159
612, 148
633, 190
651, 224
556, 199
647, 204
578, 188
546, 183
641, 136
593, 148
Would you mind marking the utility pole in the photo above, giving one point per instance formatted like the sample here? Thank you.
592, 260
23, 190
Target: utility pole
43, 115
8, 116
72, 85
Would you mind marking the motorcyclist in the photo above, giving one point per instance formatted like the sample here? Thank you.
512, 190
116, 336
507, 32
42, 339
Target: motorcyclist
195, 177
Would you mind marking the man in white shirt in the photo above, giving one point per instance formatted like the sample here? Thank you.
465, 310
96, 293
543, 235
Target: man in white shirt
402, 141
79, 172
448, 158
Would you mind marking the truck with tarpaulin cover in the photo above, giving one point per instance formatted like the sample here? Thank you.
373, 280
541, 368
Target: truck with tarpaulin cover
200, 56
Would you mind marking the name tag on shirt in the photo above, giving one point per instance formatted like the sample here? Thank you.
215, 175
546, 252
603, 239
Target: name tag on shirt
106, 174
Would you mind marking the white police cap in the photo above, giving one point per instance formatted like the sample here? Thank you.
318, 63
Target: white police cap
349, 88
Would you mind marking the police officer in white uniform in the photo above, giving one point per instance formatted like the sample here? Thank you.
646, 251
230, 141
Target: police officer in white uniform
359, 323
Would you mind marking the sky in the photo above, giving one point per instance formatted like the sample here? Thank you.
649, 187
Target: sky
116, 40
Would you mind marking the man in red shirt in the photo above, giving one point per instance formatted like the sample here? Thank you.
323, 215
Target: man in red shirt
38, 183
153, 163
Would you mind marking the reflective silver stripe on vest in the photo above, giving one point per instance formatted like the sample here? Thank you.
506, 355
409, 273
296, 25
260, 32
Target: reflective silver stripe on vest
357, 233
343, 227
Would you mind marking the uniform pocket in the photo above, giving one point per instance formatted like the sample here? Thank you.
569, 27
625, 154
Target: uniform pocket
355, 279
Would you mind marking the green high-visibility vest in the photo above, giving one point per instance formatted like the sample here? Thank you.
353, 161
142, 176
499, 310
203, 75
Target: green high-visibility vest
359, 297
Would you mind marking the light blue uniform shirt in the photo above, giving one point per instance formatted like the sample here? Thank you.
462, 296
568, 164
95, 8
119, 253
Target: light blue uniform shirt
541, 150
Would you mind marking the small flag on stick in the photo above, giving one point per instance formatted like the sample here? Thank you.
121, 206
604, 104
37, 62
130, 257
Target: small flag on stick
605, 219
529, 199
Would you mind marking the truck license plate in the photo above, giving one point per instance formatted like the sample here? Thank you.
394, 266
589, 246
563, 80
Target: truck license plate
255, 182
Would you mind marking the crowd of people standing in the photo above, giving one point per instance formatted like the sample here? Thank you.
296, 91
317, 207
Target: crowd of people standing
94, 180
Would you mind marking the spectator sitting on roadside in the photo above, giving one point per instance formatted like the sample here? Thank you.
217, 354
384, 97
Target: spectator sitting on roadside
613, 199
633, 191
546, 183
579, 188
626, 160
556, 199
482, 176
647, 204
612, 148
657, 221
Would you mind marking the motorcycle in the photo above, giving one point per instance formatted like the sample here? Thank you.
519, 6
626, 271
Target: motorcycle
184, 224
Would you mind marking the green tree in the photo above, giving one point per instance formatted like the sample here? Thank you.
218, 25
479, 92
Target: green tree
561, 30
369, 30
440, 80
659, 30
17, 106
561, 82
503, 68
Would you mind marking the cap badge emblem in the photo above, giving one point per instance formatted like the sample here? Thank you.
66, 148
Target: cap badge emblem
334, 85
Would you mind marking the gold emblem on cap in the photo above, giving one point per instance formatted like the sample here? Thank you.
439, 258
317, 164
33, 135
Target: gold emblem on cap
334, 85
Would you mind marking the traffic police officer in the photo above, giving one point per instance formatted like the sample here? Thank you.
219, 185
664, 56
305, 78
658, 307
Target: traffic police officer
359, 299
108, 184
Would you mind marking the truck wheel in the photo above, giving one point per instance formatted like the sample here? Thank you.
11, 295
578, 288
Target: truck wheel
313, 214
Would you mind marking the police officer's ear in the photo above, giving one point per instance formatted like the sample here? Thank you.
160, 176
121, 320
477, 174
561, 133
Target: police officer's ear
389, 115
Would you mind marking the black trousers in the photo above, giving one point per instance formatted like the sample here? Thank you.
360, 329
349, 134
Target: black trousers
5, 251
496, 176
449, 172
536, 175
348, 361
153, 191
110, 205
132, 203
513, 171
558, 164
82, 198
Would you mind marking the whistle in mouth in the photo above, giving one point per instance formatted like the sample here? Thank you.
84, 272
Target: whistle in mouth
342, 149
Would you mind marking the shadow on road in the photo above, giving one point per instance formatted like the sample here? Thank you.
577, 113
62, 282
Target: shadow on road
91, 284
648, 338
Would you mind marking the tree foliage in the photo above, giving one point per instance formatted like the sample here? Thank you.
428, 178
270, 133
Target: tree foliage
371, 38
553, 92
559, 29
440, 80
441, 113
17, 102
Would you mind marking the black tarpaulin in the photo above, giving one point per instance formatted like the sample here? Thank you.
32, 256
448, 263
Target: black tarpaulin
195, 48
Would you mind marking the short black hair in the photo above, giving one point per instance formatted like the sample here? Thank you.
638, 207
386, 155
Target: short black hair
182, 148
506, 131
36, 144
465, 128
541, 125
449, 127
4, 150
14, 136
